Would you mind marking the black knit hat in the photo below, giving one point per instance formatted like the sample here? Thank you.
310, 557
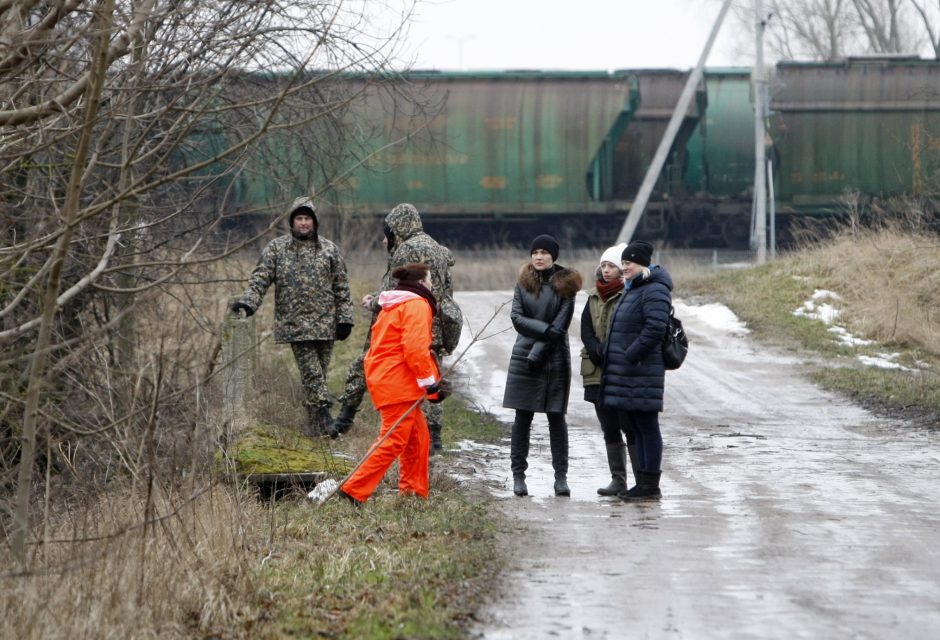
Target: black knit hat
547, 243
638, 252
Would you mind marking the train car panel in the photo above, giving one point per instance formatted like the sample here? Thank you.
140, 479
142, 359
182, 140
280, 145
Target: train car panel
721, 151
861, 126
659, 93
503, 145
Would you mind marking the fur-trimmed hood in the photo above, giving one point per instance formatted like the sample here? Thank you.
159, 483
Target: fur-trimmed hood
566, 282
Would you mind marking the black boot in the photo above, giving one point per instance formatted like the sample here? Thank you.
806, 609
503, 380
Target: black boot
561, 485
313, 427
519, 453
326, 420
558, 440
617, 461
519, 448
634, 461
436, 445
647, 488
518, 485
344, 419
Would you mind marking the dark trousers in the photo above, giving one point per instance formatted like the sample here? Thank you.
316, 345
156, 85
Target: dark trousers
519, 445
649, 440
612, 426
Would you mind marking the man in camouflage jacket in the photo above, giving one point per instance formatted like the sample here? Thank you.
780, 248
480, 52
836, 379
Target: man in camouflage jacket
312, 305
406, 242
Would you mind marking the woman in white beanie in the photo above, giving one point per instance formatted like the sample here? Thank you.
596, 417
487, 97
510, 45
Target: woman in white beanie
595, 322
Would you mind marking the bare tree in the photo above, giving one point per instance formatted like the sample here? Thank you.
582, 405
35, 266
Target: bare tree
833, 29
929, 17
130, 132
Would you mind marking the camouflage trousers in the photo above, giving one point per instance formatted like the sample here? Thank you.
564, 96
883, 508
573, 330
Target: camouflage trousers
356, 387
313, 360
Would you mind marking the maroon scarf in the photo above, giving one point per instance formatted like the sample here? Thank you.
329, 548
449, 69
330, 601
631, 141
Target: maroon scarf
415, 287
607, 289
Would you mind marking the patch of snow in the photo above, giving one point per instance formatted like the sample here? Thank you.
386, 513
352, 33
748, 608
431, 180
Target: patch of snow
717, 316
883, 361
816, 309
847, 338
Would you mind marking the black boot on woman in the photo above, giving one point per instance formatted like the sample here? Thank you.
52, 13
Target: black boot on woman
519, 454
647, 488
617, 461
558, 439
518, 485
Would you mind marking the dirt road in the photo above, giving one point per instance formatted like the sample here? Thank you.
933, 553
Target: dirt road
787, 512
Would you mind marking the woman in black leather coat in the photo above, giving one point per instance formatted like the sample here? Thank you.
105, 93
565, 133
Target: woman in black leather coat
539, 375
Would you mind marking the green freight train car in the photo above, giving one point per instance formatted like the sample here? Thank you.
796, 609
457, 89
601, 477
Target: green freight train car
716, 209
469, 149
490, 157
855, 131
486, 156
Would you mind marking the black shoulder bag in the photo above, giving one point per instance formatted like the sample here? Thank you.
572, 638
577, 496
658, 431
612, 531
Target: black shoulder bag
675, 342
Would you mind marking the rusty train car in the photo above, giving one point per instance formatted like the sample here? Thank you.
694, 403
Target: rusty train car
487, 157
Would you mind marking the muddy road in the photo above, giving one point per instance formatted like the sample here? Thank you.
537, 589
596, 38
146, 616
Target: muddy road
787, 511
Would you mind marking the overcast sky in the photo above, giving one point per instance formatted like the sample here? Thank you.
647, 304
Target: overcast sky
568, 34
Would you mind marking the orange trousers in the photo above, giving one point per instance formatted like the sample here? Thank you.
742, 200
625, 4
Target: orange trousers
409, 442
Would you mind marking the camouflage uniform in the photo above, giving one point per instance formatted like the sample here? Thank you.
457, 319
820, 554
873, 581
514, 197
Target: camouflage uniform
311, 298
411, 244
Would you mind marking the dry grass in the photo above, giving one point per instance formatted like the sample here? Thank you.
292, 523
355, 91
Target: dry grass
889, 282
105, 573
107, 560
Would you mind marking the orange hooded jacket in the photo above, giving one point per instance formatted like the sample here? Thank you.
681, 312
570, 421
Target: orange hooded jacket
399, 363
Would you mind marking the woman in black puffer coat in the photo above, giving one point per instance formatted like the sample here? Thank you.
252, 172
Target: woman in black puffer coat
539, 375
634, 373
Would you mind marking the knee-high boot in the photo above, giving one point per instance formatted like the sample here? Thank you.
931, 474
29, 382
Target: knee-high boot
519, 454
634, 461
617, 461
558, 439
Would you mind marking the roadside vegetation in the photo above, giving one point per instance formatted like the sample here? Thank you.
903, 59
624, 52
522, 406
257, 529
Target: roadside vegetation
203, 554
886, 283
182, 548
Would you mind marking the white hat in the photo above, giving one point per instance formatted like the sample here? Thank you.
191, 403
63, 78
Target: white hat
613, 254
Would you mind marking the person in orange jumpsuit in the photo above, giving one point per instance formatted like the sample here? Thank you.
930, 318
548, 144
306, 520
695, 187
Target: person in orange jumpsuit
400, 371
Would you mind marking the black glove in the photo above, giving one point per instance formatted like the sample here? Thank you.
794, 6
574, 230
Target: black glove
554, 334
343, 329
241, 306
538, 355
441, 388
597, 357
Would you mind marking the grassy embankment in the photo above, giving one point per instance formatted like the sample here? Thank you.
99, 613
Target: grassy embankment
393, 567
198, 556
888, 287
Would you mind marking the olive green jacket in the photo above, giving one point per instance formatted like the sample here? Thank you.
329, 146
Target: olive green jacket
595, 323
